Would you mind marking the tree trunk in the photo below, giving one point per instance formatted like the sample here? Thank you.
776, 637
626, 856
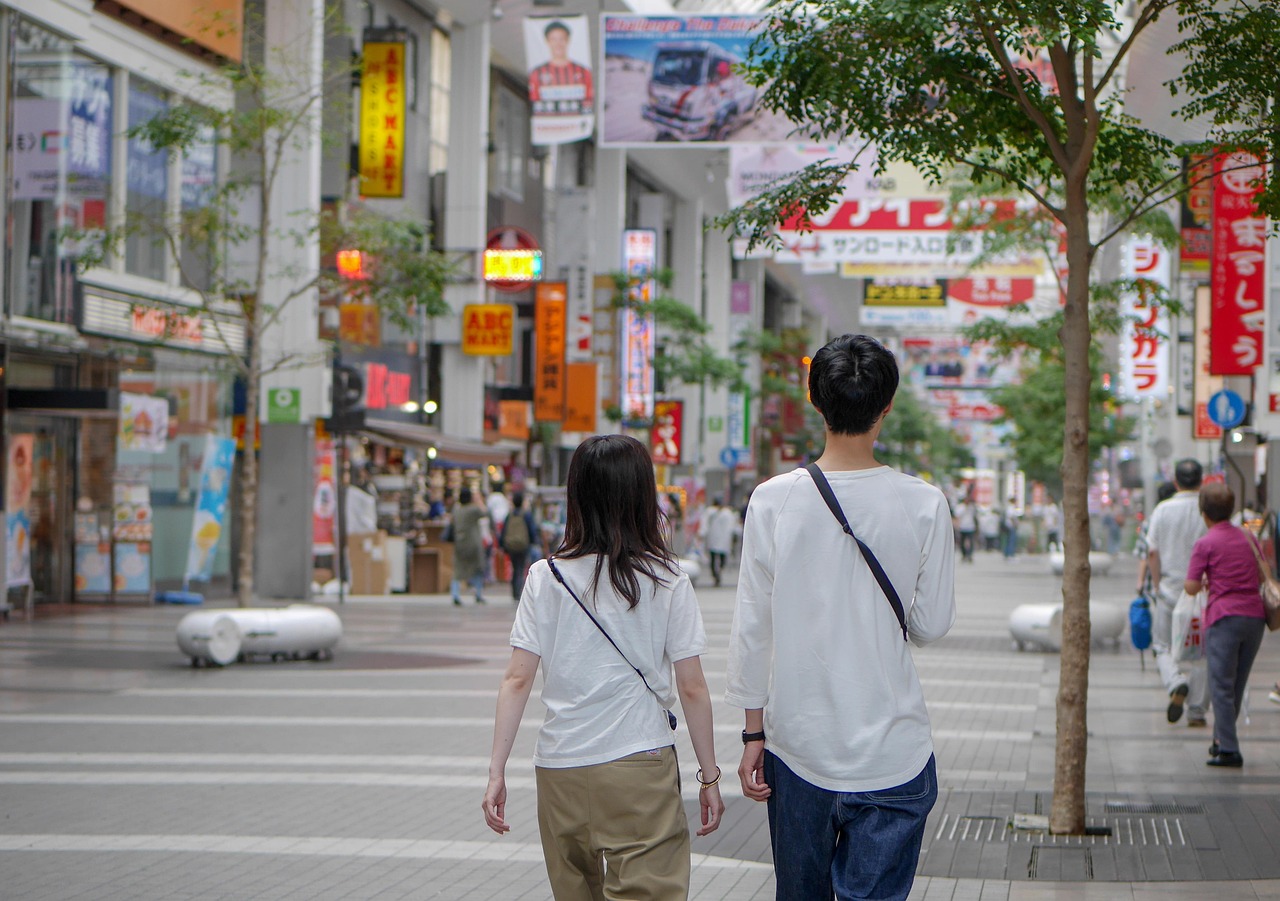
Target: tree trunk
249, 472
1067, 814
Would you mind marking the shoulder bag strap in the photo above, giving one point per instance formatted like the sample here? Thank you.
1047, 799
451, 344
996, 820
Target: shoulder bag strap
1263, 568
555, 571
824, 488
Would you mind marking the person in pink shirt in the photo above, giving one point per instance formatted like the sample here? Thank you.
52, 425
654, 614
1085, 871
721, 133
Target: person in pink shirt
1223, 562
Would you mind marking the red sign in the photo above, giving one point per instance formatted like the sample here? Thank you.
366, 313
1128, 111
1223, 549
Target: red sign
992, 292
325, 503
385, 388
668, 431
1238, 274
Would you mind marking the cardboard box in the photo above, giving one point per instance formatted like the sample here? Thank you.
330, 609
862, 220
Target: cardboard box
367, 558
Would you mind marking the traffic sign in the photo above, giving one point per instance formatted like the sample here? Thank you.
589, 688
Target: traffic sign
729, 457
1226, 409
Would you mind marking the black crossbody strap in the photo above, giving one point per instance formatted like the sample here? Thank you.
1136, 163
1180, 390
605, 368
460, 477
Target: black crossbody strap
824, 488
555, 571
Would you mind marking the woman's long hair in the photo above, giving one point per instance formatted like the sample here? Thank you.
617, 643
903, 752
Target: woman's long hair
613, 512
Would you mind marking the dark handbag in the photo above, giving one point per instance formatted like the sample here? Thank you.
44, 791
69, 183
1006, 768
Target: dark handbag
824, 488
671, 717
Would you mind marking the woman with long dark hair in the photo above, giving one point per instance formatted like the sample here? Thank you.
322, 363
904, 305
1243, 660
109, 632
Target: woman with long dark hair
610, 615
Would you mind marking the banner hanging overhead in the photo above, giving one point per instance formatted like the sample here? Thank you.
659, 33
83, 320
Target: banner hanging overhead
1238, 267
639, 257
1204, 385
558, 53
1144, 342
382, 114
676, 79
549, 333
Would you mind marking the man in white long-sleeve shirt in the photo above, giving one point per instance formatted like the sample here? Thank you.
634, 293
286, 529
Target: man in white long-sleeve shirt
837, 736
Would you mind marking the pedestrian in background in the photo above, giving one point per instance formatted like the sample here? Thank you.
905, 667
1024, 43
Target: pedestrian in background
609, 806
1146, 586
989, 527
517, 540
717, 534
1225, 561
1053, 525
1009, 528
967, 523
837, 737
1176, 525
468, 530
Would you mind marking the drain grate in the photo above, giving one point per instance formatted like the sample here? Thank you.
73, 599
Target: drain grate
1060, 864
1154, 809
1132, 831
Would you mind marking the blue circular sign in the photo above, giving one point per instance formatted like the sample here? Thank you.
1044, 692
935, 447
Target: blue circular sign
729, 457
1226, 409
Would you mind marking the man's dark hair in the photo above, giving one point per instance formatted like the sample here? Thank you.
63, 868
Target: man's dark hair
517, 500
557, 25
1187, 474
1217, 502
851, 382
1166, 491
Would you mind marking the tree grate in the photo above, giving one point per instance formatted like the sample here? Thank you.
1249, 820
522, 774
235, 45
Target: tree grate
1172, 809
1060, 864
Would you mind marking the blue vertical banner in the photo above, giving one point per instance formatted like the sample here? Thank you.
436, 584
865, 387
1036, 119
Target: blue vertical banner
211, 507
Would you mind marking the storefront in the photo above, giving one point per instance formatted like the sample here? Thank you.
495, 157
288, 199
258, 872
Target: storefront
113, 360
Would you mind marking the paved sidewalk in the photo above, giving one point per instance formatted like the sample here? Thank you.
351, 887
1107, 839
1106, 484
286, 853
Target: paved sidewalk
127, 774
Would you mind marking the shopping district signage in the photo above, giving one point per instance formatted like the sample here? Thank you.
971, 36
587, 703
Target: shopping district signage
488, 329
512, 259
382, 129
114, 314
639, 257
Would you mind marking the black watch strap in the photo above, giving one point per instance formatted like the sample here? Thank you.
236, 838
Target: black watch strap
749, 737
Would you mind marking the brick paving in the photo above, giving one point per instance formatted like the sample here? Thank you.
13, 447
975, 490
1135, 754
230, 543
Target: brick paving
127, 774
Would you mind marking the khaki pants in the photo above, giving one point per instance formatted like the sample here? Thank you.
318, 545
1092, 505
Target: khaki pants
615, 830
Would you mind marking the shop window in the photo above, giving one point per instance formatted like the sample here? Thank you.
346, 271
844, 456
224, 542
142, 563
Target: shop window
61, 164
510, 138
199, 185
147, 186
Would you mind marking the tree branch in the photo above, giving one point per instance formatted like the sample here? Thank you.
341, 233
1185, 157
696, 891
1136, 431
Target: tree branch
1033, 112
1055, 211
1149, 14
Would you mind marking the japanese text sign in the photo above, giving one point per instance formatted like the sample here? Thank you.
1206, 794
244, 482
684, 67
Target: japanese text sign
639, 258
1237, 272
550, 299
668, 432
1144, 341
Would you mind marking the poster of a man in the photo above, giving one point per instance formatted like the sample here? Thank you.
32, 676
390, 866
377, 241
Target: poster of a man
561, 90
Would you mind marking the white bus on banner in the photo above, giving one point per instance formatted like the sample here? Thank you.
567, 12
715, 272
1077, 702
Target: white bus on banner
1144, 340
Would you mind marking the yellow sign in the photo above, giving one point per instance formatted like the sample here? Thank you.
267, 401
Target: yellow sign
512, 265
382, 120
488, 329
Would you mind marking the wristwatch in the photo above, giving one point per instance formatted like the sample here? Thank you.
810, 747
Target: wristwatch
749, 737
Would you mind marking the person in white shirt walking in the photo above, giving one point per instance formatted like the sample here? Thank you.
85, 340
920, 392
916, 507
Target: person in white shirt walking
1173, 530
610, 615
717, 534
837, 737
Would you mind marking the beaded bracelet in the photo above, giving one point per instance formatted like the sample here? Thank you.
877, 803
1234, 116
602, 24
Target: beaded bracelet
698, 776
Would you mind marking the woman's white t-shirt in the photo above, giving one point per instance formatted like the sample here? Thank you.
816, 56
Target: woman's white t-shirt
598, 709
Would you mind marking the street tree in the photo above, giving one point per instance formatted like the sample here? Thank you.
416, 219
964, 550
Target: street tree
222, 238
1028, 92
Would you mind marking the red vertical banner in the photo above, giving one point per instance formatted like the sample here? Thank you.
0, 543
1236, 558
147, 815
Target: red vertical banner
325, 503
549, 300
668, 432
1237, 272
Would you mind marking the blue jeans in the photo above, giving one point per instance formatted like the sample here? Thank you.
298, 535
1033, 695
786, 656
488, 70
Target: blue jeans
853, 845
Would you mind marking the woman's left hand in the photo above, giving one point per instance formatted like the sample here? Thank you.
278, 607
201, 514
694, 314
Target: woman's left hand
712, 809
495, 805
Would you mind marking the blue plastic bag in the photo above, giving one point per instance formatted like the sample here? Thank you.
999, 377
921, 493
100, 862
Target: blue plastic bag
1140, 622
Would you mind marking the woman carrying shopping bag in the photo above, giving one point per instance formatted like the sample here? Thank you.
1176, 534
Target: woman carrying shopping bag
1223, 560
610, 616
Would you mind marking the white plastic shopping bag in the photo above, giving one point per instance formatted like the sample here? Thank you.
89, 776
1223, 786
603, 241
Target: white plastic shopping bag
1188, 628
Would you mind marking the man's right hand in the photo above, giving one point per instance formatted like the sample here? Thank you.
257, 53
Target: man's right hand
751, 772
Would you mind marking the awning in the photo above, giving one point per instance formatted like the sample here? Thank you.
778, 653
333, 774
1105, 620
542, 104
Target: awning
458, 451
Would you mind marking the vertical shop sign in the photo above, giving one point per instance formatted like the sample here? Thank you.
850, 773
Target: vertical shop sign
19, 473
580, 397
1206, 385
1238, 273
211, 507
639, 256
549, 299
668, 432
558, 53
1144, 342
1197, 209
324, 505
147, 169
382, 114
